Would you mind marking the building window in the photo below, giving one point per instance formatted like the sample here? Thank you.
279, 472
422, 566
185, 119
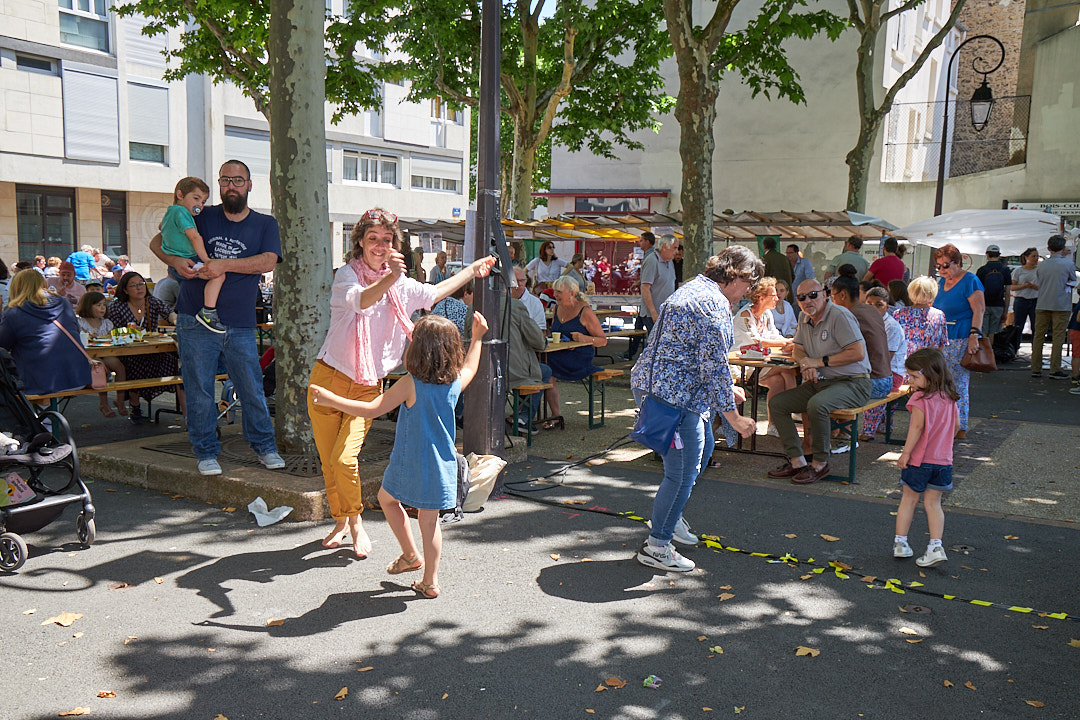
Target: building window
439, 109
370, 168
35, 64
147, 152
114, 223
85, 23
45, 220
424, 182
148, 123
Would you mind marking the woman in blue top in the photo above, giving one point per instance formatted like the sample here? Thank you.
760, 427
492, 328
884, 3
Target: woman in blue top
423, 465
575, 319
685, 364
960, 297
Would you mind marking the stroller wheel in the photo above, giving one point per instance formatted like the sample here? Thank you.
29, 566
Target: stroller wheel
85, 529
13, 552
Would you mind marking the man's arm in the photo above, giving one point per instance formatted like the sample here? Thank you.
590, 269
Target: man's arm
254, 265
180, 264
646, 296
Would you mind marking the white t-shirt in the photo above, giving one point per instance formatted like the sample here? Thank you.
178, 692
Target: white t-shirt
897, 343
536, 310
786, 323
545, 272
749, 330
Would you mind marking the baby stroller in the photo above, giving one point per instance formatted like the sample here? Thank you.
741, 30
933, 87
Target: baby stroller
39, 473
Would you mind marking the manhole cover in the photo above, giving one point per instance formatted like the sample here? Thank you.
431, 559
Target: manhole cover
916, 609
966, 549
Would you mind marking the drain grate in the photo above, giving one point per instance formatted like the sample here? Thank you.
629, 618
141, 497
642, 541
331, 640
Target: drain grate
377, 448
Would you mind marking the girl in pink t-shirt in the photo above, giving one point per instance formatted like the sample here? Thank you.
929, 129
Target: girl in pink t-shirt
926, 462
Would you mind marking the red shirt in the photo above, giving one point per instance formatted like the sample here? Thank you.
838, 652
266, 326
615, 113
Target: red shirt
888, 268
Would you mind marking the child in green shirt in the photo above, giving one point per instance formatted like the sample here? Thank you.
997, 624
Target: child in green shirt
179, 237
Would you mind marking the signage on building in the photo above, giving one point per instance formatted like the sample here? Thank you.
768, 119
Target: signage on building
1069, 212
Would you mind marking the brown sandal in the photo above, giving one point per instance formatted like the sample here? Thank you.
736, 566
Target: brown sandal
404, 565
427, 591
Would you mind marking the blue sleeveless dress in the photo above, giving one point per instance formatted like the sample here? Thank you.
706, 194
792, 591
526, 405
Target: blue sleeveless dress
423, 466
576, 364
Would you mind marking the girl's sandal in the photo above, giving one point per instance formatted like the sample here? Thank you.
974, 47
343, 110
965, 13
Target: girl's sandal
121, 407
107, 411
404, 565
427, 591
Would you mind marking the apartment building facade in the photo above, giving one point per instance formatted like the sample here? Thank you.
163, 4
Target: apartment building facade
93, 140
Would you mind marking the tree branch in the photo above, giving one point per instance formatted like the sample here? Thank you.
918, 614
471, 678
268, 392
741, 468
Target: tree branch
252, 64
908, 5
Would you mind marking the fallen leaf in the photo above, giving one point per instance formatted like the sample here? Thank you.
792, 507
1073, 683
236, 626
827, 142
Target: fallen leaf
600, 688
589, 710
739, 709
445, 695
716, 649
275, 622
342, 694
725, 596
922, 574
1035, 703
969, 686
30, 611
106, 694
110, 490
365, 668
829, 538
702, 638
1041, 627
129, 638
724, 587
120, 586
64, 619
615, 682
918, 640
1073, 642
706, 709
77, 635
219, 716
805, 577
868, 578
842, 566
803, 650
554, 556
573, 502
158, 580
947, 684
1012, 537
229, 509
211, 649
791, 536
76, 711
909, 631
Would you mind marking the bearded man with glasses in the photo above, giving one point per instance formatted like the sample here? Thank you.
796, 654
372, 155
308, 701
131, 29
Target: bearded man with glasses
835, 368
242, 245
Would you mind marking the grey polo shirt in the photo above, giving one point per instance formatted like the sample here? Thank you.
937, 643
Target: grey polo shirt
851, 257
660, 276
836, 330
1056, 277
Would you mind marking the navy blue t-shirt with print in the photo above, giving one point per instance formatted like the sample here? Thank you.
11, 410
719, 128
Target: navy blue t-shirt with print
225, 239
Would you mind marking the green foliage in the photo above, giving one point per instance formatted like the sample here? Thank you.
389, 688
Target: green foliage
756, 52
226, 40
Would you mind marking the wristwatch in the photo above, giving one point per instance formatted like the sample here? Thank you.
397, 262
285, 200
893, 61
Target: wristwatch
825, 360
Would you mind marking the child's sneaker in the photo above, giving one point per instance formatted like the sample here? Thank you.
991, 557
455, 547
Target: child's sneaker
664, 558
901, 549
208, 318
932, 557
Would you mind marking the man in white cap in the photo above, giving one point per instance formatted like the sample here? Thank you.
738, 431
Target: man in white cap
996, 279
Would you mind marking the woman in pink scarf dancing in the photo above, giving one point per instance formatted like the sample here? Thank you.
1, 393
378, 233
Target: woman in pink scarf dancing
370, 304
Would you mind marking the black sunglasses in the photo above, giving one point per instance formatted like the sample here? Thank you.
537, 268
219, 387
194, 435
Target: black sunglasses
812, 295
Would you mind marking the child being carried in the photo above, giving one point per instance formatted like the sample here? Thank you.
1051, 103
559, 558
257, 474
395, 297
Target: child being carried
179, 237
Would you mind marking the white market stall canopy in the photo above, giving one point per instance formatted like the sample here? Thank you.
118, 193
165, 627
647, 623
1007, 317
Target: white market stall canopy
971, 231
744, 226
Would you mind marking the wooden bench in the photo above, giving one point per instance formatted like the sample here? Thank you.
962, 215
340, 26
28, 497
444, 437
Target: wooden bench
847, 420
517, 395
116, 386
596, 382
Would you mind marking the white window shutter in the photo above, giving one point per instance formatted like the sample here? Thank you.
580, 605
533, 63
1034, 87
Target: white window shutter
91, 116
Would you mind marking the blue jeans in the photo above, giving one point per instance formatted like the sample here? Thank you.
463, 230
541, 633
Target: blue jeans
1023, 310
681, 470
880, 387
201, 352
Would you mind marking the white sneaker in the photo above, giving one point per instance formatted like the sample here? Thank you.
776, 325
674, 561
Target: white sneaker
272, 461
901, 550
664, 558
932, 557
843, 448
681, 534
209, 466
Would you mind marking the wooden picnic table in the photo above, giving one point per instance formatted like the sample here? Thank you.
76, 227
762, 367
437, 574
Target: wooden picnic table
148, 346
752, 385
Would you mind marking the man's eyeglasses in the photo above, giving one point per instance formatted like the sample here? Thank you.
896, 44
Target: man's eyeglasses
234, 181
812, 295
376, 214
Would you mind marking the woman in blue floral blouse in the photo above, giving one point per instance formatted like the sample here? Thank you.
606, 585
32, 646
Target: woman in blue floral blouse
685, 364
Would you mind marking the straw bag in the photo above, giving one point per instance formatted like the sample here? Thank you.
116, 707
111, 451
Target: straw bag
99, 376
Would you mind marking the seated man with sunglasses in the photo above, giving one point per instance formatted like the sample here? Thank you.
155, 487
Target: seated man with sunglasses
831, 354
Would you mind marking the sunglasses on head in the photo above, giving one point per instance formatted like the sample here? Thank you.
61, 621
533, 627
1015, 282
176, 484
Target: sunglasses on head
376, 214
812, 295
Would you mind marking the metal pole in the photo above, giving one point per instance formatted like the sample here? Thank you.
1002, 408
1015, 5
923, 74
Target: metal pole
940, 191
484, 398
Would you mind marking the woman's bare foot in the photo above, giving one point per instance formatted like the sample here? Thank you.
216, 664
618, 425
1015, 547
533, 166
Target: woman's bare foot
337, 536
121, 407
107, 411
361, 542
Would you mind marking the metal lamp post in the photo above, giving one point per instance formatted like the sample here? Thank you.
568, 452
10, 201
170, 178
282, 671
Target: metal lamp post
982, 104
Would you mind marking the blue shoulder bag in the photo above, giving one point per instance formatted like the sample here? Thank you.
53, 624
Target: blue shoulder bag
657, 420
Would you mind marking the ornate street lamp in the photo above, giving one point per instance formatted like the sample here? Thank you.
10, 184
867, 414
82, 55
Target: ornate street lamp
982, 104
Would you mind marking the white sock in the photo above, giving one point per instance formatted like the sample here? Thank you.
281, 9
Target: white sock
901, 539
798, 462
934, 543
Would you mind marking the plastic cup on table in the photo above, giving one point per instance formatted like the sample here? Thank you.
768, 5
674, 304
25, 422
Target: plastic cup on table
556, 337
